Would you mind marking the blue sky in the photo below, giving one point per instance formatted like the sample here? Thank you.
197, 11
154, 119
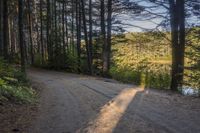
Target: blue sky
148, 24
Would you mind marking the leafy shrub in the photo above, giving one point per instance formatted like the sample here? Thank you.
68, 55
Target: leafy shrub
125, 75
19, 94
147, 79
38, 60
72, 62
14, 85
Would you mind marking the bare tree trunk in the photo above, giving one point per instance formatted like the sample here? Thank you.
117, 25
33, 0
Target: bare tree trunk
181, 46
178, 42
66, 28
5, 29
72, 30
48, 31
12, 36
41, 32
103, 35
63, 30
56, 36
1, 28
107, 49
86, 38
109, 34
30, 33
78, 34
21, 36
60, 34
90, 29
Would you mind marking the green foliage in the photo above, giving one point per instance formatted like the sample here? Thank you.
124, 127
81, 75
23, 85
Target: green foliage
5, 69
14, 85
142, 58
38, 60
72, 62
142, 77
141, 46
126, 75
145, 59
192, 73
19, 94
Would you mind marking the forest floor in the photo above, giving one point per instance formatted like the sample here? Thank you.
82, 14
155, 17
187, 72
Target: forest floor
71, 103
16, 117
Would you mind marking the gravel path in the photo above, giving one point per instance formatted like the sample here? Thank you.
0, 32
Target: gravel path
72, 103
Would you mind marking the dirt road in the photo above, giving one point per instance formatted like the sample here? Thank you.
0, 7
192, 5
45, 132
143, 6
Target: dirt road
79, 104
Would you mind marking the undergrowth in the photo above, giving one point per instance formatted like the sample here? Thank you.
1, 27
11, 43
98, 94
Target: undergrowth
14, 86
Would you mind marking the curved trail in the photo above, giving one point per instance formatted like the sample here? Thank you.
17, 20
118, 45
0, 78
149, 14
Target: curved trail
72, 103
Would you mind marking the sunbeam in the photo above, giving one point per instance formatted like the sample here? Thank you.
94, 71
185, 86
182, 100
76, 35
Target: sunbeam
112, 112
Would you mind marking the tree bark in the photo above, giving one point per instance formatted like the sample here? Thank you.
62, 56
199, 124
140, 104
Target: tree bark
72, 26
41, 31
21, 36
30, 32
109, 30
181, 11
63, 31
78, 33
5, 29
86, 38
49, 47
1, 27
66, 29
107, 49
177, 19
103, 36
90, 30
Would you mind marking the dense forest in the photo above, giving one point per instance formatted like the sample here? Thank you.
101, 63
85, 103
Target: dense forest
89, 37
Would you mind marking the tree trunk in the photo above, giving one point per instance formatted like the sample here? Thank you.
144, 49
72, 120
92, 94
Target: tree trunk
78, 34
21, 36
1, 27
181, 48
90, 29
66, 28
30, 32
56, 60
103, 36
178, 42
63, 30
72, 30
107, 49
5, 29
86, 38
41, 32
12, 43
48, 31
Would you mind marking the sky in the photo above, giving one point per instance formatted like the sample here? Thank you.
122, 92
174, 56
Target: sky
148, 24
145, 24
140, 26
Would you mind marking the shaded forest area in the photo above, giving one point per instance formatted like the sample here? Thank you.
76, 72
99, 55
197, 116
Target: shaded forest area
89, 36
